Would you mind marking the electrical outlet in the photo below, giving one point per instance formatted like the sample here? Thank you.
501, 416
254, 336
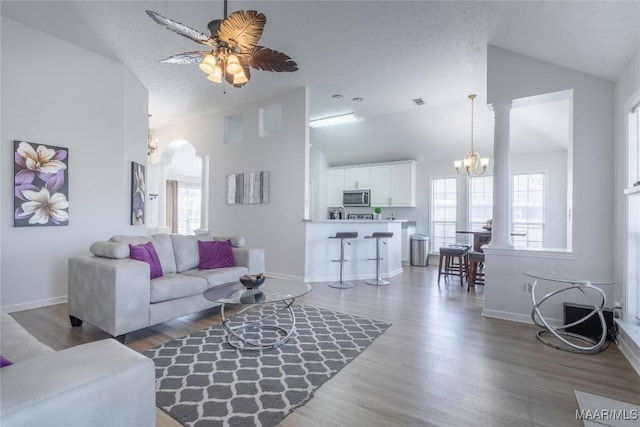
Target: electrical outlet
617, 304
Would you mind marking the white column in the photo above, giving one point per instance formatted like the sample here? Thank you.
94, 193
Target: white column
204, 196
162, 201
501, 230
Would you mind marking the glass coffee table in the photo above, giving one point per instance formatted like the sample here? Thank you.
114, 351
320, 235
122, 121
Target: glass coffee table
267, 321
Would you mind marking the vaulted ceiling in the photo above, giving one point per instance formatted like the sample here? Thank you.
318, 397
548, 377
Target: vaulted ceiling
386, 52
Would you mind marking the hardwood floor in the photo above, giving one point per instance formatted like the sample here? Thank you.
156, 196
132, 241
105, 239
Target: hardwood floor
440, 363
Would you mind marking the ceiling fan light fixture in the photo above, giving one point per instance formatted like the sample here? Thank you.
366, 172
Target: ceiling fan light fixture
208, 64
236, 34
240, 78
233, 65
216, 76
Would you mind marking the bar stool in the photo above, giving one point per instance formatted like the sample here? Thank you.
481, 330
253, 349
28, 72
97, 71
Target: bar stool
452, 258
378, 236
467, 250
343, 236
476, 270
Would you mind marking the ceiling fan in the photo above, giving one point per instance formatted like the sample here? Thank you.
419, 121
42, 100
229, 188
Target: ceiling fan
233, 44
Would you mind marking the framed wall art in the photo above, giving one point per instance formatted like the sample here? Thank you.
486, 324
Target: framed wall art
247, 188
138, 193
41, 188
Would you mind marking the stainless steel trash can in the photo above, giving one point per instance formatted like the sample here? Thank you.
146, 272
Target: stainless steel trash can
419, 250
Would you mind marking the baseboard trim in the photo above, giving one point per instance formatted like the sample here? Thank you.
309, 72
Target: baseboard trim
506, 315
284, 276
516, 317
348, 278
33, 304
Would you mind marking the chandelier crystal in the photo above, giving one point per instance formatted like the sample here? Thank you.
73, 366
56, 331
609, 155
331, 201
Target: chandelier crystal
472, 163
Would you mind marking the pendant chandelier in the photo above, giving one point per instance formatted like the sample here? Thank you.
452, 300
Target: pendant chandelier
152, 144
472, 163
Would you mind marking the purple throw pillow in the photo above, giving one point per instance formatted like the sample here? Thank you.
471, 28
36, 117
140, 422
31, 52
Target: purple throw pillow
215, 254
4, 362
148, 254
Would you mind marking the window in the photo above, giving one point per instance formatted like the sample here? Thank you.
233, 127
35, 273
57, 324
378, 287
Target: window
188, 207
443, 212
528, 209
481, 203
634, 145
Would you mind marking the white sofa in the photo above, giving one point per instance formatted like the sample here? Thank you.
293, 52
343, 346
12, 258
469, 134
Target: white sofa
115, 293
102, 383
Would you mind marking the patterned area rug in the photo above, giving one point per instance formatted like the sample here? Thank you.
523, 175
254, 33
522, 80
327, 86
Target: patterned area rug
203, 381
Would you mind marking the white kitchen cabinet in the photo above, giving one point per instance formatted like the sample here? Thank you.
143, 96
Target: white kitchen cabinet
358, 178
394, 184
335, 186
380, 185
403, 184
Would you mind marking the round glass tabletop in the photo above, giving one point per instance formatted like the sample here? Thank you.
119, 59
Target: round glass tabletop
564, 278
272, 290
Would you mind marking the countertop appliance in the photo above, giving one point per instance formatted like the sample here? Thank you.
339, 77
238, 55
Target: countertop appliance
356, 198
360, 216
336, 213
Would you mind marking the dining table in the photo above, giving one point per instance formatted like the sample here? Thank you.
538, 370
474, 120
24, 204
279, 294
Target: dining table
482, 237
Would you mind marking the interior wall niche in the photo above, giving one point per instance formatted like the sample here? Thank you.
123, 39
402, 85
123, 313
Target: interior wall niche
270, 120
233, 129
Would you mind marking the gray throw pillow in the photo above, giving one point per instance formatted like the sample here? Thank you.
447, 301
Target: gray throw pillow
161, 243
110, 250
186, 250
236, 241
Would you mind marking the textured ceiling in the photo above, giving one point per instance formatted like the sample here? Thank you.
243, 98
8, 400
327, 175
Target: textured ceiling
387, 52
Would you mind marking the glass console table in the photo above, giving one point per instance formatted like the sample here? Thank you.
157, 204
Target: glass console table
560, 333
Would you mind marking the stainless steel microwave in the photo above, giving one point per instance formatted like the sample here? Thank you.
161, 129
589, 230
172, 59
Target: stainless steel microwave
352, 198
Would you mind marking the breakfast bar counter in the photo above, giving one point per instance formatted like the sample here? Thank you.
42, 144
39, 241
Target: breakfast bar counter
320, 250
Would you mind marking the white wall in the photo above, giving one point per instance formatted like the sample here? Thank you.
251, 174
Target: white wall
512, 76
56, 93
627, 89
317, 182
277, 226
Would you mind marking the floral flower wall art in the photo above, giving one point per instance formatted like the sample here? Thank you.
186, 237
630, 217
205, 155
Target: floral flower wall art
41, 189
138, 193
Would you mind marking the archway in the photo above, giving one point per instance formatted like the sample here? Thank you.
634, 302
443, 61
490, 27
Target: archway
178, 188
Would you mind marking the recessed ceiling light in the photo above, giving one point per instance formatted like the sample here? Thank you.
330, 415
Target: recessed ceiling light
336, 96
357, 99
418, 101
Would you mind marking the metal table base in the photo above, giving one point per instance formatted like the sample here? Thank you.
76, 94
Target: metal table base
559, 332
237, 338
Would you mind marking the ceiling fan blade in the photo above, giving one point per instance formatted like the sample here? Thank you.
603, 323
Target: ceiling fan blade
263, 58
185, 58
242, 28
182, 29
214, 26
